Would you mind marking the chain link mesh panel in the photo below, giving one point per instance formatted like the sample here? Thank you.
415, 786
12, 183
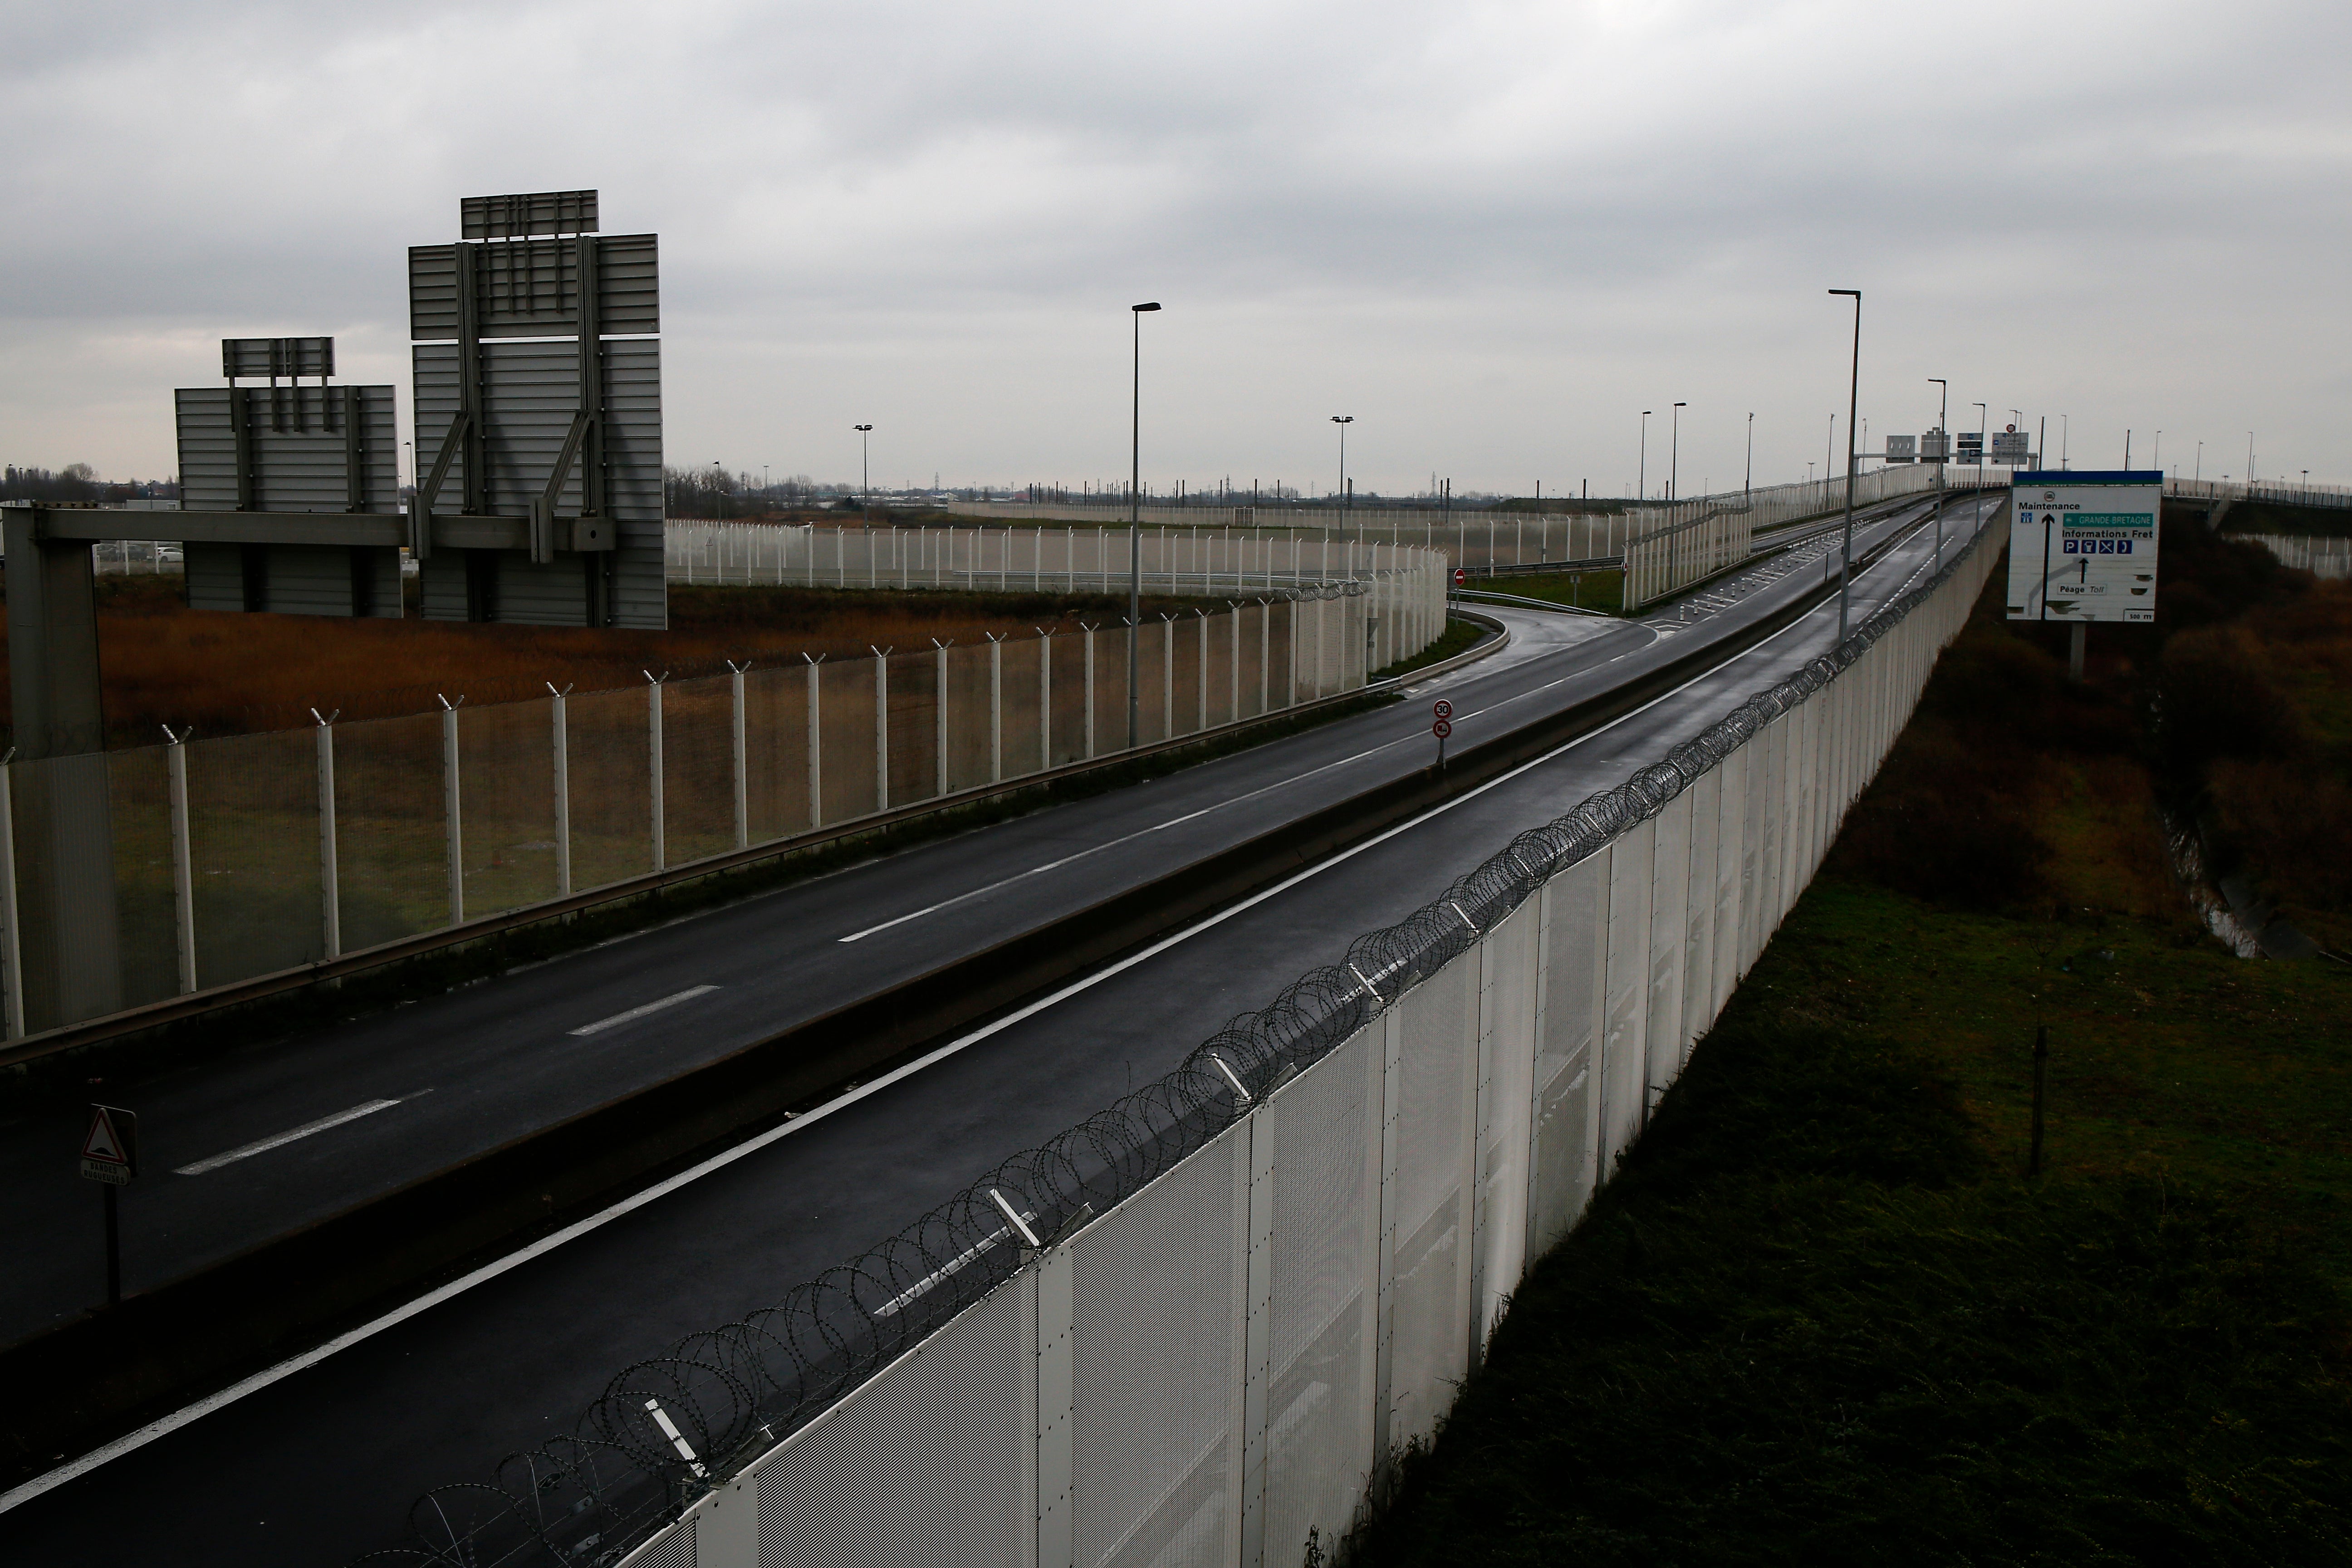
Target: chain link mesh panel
914, 727
698, 767
139, 798
970, 730
775, 761
845, 725
390, 845
1023, 739
611, 768
253, 832
505, 755
737, 1390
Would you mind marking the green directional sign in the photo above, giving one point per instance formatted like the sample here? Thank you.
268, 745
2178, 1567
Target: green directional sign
2082, 546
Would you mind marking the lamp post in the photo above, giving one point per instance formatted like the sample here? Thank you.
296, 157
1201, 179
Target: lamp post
2064, 423
718, 488
1642, 467
2157, 461
865, 470
1984, 434
1674, 452
2199, 474
2249, 459
1135, 536
1942, 408
1747, 476
1853, 402
1343, 421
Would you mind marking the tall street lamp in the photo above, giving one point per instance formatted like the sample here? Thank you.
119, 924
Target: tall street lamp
865, 470
1674, 451
1748, 478
1984, 436
1135, 537
1642, 469
2250, 457
1343, 421
1853, 402
718, 488
1943, 429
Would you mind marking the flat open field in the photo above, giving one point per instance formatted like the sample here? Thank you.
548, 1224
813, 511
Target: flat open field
238, 674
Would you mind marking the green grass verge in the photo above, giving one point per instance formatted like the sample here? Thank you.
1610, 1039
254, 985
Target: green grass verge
1602, 590
1459, 636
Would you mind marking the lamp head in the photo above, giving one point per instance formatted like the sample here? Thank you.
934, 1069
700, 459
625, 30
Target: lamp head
1681, 406
1150, 305
861, 427
1855, 293
1343, 419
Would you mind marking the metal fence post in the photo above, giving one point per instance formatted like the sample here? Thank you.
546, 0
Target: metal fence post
560, 765
995, 708
183, 904
939, 716
742, 768
331, 901
1290, 697
12, 997
1166, 678
1044, 698
1090, 692
1234, 660
654, 763
815, 748
881, 726
453, 830
1203, 618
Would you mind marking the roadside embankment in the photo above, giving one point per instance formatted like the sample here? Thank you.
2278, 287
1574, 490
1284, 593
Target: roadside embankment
1825, 1315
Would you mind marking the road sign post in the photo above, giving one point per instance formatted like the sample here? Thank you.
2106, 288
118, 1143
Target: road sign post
110, 1154
1442, 727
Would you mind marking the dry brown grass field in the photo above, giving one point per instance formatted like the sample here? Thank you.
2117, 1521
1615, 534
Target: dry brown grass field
239, 674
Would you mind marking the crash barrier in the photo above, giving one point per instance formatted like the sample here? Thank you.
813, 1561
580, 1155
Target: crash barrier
1196, 1328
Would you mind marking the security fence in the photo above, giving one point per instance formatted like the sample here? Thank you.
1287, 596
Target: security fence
2316, 553
1196, 1328
1207, 562
1679, 544
133, 875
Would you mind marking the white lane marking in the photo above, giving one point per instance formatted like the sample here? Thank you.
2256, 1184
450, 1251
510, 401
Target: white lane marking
263, 1145
164, 1425
601, 1024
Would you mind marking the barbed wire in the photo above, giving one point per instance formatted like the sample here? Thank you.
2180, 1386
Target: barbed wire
669, 1428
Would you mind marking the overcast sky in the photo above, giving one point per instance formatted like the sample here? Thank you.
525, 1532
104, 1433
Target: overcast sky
1493, 233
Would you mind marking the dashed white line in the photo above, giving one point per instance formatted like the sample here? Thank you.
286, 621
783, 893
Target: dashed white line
263, 1145
601, 1024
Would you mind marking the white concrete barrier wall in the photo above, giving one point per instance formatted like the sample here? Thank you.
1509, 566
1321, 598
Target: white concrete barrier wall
1224, 1363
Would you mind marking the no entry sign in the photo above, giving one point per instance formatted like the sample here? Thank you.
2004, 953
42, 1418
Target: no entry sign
1460, 577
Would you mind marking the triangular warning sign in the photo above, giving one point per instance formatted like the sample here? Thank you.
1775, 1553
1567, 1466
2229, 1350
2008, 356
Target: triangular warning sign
103, 1143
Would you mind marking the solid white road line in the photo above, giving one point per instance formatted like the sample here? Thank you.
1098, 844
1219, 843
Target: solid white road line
263, 1145
601, 1024
166, 1426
